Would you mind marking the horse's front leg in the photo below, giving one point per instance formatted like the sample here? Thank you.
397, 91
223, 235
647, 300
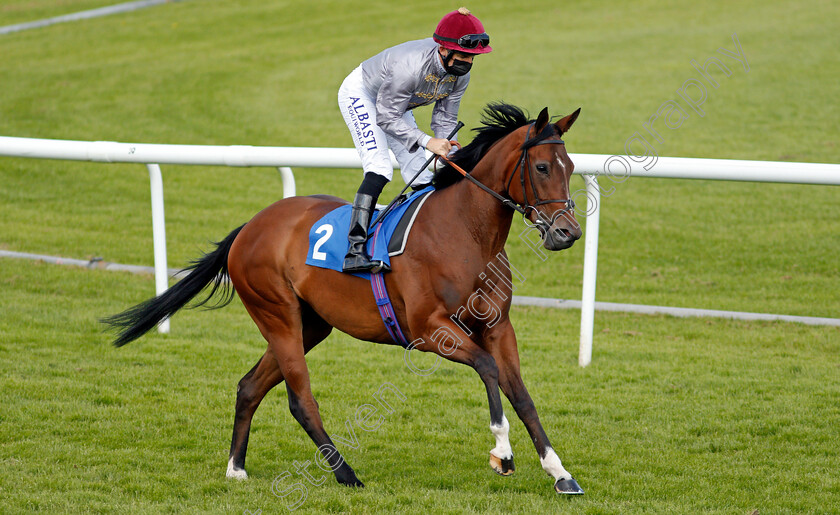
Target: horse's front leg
446, 342
501, 456
506, 355
515, 390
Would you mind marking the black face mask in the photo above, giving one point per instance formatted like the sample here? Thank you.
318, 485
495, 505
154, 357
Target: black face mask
458, 68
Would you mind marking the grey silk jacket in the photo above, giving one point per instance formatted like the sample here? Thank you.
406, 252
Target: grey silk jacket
408, 76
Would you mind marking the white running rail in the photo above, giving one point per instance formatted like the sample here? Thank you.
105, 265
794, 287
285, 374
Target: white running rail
611, 168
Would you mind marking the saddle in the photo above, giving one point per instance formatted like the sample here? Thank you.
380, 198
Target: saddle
328, 236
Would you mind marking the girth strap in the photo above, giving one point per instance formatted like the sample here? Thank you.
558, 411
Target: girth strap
383, 302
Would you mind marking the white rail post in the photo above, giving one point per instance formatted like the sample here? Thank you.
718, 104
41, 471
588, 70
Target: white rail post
159, 235
288, 178
590, 269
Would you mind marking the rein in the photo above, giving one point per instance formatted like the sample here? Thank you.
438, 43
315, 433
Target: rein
504, 200
524, 162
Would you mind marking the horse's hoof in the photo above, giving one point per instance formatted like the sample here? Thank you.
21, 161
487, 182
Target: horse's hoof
239, 474
235, 473
502, 466
568, 487
354, 483
348, 478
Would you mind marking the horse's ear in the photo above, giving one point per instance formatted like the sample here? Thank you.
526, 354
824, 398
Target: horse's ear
542, 120
565, 123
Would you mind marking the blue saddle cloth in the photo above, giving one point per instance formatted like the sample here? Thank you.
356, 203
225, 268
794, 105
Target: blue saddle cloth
328, 242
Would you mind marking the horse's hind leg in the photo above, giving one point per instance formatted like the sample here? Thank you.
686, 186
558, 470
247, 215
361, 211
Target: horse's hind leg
250, 392
254, 386
304, 408
287, 325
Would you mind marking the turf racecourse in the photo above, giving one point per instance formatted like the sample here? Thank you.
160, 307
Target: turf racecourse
673, 416
681, 416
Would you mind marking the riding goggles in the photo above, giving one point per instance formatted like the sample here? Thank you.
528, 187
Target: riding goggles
469, 40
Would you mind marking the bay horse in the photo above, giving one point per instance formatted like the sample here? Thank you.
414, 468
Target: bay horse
517, 165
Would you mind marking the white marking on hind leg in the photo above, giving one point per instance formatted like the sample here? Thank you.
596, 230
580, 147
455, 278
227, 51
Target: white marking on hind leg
234, 472
552, 466
502, 449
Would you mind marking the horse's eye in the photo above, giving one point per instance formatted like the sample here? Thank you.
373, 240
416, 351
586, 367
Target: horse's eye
542, 168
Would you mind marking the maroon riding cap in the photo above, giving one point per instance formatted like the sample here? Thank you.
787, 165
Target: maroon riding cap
462, 32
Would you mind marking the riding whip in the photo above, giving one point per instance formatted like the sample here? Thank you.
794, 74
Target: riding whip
387, 209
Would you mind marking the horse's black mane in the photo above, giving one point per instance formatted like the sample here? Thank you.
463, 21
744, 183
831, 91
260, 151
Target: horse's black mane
499, 120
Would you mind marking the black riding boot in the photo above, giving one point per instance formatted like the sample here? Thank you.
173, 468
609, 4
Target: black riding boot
357, 260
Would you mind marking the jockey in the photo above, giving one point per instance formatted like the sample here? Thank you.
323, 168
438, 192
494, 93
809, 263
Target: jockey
376, 100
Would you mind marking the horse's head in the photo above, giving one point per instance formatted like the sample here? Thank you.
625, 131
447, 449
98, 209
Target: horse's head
523, 164
540, 181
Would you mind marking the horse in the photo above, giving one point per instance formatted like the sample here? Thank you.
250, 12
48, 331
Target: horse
437, 286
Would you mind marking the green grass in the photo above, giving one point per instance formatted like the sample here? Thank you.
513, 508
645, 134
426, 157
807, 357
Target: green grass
673, 416
680, 416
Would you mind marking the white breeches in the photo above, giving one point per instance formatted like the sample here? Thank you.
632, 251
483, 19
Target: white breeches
359, 112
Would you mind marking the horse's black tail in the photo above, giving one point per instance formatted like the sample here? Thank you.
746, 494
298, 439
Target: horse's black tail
212, 267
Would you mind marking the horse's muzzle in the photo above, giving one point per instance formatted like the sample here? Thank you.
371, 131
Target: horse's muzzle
558, 238
559, 231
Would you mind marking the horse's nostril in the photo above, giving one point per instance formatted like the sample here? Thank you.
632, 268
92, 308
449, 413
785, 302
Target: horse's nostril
564, 234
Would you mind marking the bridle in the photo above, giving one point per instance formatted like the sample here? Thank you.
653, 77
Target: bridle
523, 163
